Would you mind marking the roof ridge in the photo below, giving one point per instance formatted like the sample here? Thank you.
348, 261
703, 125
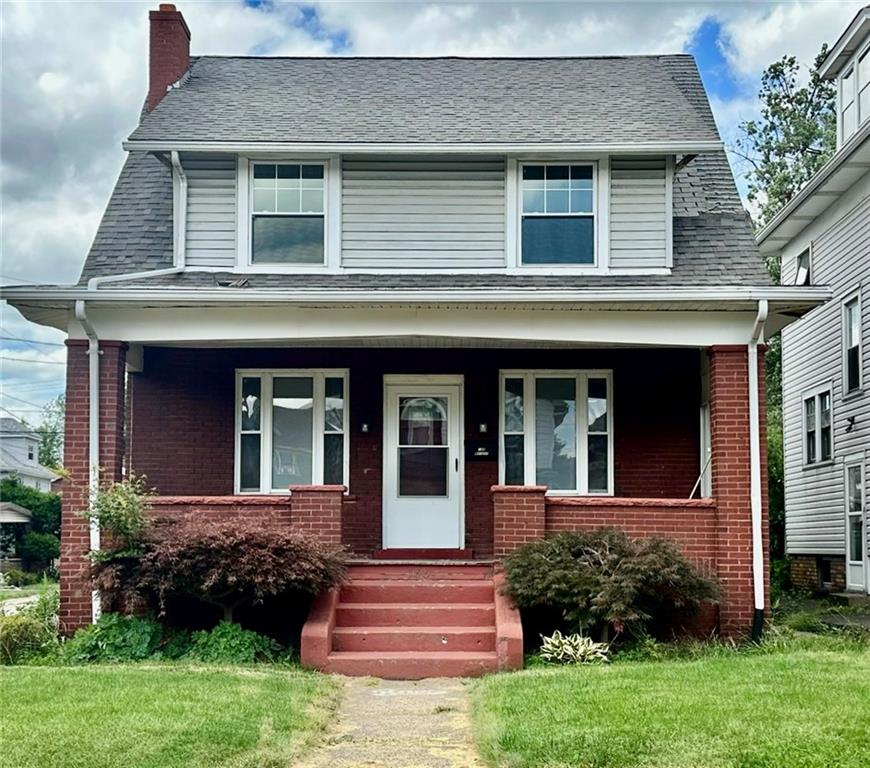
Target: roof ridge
340, 57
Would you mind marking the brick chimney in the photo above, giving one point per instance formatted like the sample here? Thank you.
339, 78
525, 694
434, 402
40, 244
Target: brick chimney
169, 52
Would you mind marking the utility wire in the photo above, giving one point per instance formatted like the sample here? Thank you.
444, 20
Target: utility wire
32, 341
28, 360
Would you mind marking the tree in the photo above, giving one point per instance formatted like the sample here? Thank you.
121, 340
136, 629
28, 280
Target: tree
51, 433
44, 507
793, 139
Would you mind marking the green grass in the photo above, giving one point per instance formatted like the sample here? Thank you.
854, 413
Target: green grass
802, 707
160, 716
34, 589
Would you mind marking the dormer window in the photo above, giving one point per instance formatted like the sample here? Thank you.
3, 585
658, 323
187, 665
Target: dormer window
848, 116
802, 275
558, 214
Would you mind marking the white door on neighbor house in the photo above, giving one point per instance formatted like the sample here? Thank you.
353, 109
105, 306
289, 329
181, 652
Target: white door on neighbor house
857, 556
423, 463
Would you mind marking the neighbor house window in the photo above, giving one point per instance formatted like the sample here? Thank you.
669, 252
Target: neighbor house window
557, 430
802, 274
31, 453
855, 512
287, 213
558, 214
848, 110
864, 86
817, 427
852, 344
291, 429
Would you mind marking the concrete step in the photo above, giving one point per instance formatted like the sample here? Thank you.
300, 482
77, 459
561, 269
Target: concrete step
413, 591
852, 599
412, 665
419, 571
415, 615
418, 639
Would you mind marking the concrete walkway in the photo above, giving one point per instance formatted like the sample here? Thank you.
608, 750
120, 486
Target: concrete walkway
15, 604
398, 724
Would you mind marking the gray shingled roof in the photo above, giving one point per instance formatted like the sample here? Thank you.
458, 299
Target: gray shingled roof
443, 100
10, 426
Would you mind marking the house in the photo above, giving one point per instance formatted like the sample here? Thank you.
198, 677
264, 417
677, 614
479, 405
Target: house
823, 238
19, 456
430, 308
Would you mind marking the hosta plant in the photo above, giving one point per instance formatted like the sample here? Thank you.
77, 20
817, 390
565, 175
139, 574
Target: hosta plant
573, 649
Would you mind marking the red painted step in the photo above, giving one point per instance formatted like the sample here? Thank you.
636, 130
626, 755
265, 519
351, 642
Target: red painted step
413, 665
417, 591
421, 572
414, 615
422, 554
380, 639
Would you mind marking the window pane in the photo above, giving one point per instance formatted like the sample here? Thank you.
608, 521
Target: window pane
864, 104
581, 176
556, 433
312, 201
513, 405
864, 70
334, 406
288, 171
810, 426
856, 538
514, 460
853, 317
558, 240
422, 421
249, 463
262, 171
557, 174
333, 459
533, 201
581, 201
598, 464
825, 447
422, 471
853, 369
250, 403
287, 240
287, 201
292, 436
803, 269
854, 490
597, 406
825, 409
533, 173
557, 201
849, 121
312, 171
264, 200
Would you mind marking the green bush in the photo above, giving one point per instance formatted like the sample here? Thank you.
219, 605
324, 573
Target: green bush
15, 577
115, 638
602, 581
44, 507
229, 643
21, 636
38, 550
121, 511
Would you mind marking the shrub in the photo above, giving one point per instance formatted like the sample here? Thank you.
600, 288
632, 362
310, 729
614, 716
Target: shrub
572, 649
15, 577
602, 580
228, 643
38, 550
224, 564
44, 507
115, 638
21, 636
121, 511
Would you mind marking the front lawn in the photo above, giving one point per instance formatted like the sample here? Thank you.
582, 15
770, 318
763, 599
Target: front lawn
159, 716
806, 707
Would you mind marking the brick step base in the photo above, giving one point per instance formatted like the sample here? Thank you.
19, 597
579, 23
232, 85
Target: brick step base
422, 554
414, 615
417, 591
418, 639
418, 572
412, 665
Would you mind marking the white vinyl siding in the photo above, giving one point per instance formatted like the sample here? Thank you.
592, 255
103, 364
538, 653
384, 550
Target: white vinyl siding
639, 212
211, 210
813, 358
423, 213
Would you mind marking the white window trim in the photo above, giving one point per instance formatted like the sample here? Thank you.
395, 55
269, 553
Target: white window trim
853, 64
814, 393
266, 376
529, 469
809, 254
850, 463
600, 212
331, 215
849, 393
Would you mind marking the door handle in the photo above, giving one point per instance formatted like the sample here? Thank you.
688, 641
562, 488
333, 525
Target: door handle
457, 463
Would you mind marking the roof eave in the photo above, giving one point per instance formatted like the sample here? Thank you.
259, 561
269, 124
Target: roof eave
846, 46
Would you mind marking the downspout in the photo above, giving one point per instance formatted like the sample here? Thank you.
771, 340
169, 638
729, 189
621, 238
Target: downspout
755, 491
93, 434
179, 217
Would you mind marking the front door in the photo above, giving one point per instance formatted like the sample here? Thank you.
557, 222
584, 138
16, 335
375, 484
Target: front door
857, 555
423, 463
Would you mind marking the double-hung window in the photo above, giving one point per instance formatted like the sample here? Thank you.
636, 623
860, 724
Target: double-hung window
557, 214
557, 430
848, 108
287, 213
855, 511
291, 429
852, 344
817, 427
803, 274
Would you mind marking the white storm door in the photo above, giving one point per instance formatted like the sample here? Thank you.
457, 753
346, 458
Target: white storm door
856, 528
423, 466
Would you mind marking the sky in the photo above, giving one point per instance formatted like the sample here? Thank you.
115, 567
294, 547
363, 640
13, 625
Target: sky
73, 79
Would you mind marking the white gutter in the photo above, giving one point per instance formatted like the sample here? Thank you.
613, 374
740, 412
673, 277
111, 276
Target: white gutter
93, 435
179, 216
755, 491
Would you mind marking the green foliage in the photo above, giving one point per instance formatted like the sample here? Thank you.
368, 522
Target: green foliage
121, 510
21, 636
602, 580
228, 643
115, 638
38, 550
51, 433
44, 507
572, 649
15, 577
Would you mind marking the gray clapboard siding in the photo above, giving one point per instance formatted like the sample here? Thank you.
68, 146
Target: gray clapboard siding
638, 215
813, 356
433, 213
211, 210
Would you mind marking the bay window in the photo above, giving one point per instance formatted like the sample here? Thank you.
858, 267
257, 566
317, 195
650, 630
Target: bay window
291, 429
556, 430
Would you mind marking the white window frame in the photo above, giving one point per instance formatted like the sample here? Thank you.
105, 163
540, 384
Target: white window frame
599, 214
842, 104
331, 214
853, 462
808, 252
856, 298
815, 394
581, 378
267, 375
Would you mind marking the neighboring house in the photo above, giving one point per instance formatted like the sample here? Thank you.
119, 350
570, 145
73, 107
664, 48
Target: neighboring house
11, 514
823, 236
19, 456
453, 305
